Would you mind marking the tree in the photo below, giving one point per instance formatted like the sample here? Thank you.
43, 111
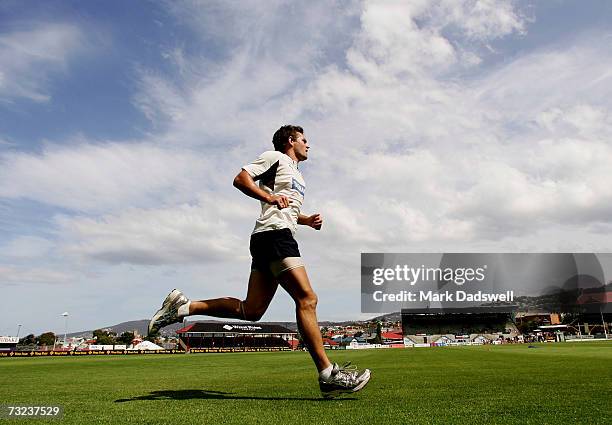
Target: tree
300, 340
378, 338
104, 337
155, 338
48, 338
28, 340
126, 338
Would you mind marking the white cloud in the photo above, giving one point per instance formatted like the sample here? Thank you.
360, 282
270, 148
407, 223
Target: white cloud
105, 177
159, 99
240, 88
554, 77
434, 151
417, 155
342, 221
5, 142
391, 42
479, 19
24, 247
12, 275
493, 158
29, 56
424, 138
402, 39
180, 235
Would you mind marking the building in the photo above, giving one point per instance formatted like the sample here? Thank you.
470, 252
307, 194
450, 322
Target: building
8, 343
231, 336
456, 325
533, 319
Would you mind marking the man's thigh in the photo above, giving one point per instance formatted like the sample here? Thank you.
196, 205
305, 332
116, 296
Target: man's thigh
296, 283
261, 290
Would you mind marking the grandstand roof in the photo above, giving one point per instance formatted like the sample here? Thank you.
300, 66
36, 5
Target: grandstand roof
392, 335
597, 297
522, 314
234, 328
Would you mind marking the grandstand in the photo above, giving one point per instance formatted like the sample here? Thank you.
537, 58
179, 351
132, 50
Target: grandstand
478, 325
8, 343
219, 336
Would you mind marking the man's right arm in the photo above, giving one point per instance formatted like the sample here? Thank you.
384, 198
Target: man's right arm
245, 183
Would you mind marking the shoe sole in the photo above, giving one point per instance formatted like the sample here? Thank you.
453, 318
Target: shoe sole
363, 383
170, 298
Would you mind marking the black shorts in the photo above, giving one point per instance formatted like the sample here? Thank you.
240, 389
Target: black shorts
270, 246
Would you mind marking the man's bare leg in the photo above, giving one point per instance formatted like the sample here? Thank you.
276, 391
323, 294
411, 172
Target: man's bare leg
296, 283
262, 288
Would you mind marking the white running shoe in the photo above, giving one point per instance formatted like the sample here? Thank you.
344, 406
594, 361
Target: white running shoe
344, 379
168, 313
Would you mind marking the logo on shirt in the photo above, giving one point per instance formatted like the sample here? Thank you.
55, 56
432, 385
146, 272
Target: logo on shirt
297, 186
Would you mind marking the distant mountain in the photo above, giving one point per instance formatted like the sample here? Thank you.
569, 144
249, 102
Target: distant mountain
390, 317
140, 326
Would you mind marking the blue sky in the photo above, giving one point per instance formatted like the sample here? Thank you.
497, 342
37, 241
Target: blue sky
435, 126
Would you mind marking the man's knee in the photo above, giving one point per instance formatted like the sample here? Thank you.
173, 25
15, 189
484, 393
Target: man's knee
252, 314
308, 301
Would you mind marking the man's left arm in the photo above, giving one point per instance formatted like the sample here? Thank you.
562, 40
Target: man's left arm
315, 221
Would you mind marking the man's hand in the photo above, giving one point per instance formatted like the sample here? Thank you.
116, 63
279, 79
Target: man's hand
315, 221
279, 200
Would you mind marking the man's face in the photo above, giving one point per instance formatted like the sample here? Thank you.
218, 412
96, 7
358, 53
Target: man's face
300, 147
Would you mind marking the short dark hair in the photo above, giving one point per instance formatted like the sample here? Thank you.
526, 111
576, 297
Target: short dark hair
282, 135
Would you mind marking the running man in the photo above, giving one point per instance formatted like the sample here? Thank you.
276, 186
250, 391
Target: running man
276, 259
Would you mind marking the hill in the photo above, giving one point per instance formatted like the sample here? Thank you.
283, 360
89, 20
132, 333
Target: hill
140, 326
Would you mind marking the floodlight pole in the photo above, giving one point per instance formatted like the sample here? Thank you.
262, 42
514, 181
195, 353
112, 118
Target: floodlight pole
18, 329
65, 314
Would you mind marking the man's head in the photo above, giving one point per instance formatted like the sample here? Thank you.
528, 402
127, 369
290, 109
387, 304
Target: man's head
290, 139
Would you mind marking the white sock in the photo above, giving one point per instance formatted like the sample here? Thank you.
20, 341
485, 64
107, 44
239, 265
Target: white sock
184, 309
325, 374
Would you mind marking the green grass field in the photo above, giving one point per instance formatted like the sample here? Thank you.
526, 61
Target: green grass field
553, 383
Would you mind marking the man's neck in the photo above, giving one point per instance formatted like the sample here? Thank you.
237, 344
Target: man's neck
291, 154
